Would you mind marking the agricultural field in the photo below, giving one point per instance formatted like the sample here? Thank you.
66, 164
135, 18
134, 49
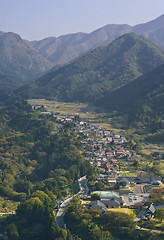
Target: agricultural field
64, 108
150, 148
70, 109
121, 210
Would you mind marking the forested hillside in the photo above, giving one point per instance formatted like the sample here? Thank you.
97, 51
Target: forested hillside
19, 63
38, 165
99, 72
63, 49
141, 99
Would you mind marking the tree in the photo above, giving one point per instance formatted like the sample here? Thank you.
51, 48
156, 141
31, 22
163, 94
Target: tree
122, 184
95, 196
12, 232
69, 237
159, 213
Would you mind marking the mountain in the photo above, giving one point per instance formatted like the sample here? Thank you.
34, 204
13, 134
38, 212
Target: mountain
153, 30
99, 72
1, 33
19, 63
66, 48
149, 85
142, 99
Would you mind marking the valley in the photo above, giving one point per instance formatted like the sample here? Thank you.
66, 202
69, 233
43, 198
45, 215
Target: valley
114, 158
82, 135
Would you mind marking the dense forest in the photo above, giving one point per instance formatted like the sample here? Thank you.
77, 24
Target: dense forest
39, 164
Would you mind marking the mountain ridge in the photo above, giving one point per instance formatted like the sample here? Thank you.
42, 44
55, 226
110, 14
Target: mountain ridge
65, 48
140, 100
99, 72
19, 63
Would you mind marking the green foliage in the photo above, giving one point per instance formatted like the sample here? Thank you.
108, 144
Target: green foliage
159, 213
37, 167
12, 232
95, 196
122, 183
31, 158
34, 219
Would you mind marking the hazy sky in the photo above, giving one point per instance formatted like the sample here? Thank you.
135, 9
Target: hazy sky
37, 19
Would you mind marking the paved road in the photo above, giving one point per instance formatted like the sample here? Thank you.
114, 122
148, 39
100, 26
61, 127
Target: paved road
149, 230
141, 198
61, 212
83, 186
7, 213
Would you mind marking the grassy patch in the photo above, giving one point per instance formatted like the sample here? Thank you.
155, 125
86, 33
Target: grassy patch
121, 210
70, 109
150, 148
128, 174
162, 167
7, 205
154, 224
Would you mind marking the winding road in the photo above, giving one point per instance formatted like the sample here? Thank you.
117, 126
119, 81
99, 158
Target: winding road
61, 212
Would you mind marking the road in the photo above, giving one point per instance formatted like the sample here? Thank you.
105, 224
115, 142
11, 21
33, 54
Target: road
83, 186
140, 196
149, 230
7, 213
61, 212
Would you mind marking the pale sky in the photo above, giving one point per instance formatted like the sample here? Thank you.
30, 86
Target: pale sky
38, 19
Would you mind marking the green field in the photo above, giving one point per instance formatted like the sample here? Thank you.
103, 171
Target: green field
70, 109
121, 210
150, 148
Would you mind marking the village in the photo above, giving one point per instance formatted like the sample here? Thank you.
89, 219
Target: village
118, 183
106, 151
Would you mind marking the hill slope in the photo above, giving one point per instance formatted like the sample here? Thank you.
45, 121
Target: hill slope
142, 99
64, 49
99, 72
19, 63
153, 30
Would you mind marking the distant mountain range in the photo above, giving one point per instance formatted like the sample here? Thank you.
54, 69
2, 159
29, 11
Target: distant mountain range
19, 63
99, 72
117, 75
23, 61
66, 48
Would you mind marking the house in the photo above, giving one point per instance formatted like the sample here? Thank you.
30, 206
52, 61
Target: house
146, 213
98, 205
112, 202
156, 183
108, 195
149, 212
123, 179
139, 180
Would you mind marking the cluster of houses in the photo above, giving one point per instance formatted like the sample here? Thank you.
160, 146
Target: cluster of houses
102, 148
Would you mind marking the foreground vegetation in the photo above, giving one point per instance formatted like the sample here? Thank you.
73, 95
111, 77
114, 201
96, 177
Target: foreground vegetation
38, 165
92, 224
